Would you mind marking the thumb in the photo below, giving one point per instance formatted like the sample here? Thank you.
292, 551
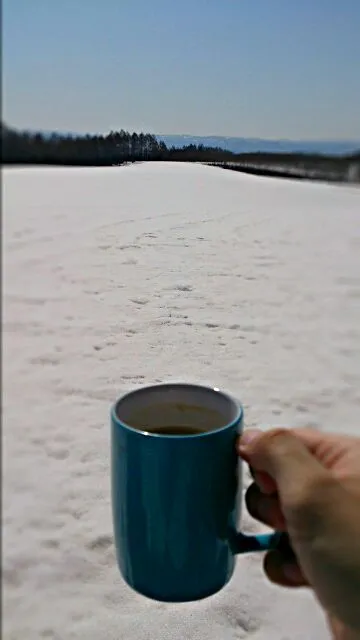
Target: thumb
283, 456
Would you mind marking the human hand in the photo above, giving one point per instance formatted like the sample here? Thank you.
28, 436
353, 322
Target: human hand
308, 484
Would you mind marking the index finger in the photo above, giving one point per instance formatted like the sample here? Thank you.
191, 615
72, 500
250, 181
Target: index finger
265, 482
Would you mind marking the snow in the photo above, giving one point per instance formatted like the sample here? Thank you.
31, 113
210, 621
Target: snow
116, 277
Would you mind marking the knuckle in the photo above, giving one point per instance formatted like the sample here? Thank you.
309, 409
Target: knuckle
277, 440
276, 434
310, 500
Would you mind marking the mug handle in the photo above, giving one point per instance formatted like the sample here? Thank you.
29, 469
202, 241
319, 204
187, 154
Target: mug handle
263, 542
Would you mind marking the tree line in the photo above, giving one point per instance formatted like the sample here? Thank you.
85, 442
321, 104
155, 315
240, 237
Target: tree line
115, 148
119, 147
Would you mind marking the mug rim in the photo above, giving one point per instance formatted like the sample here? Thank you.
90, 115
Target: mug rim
120, 423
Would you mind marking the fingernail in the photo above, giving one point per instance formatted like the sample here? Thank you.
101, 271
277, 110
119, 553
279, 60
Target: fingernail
248, 436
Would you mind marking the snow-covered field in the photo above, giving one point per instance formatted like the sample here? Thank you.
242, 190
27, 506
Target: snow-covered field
115, 277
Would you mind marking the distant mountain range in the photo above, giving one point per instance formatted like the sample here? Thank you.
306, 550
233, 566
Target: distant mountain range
251, 145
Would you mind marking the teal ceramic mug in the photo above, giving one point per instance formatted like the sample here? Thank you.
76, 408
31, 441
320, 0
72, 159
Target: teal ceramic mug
176, 491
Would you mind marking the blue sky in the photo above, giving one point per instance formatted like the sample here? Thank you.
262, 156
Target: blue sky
253, 68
